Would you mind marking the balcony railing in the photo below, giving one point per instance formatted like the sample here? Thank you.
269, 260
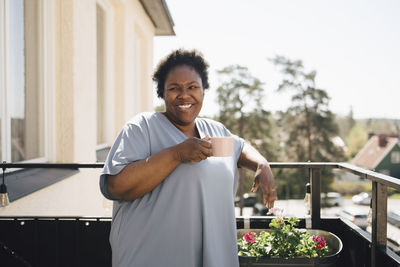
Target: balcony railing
84, 243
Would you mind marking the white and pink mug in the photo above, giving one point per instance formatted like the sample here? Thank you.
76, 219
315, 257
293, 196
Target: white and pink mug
222, 146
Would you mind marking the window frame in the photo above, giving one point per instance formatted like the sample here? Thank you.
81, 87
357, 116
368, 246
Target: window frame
107, 71
46, 78
3, 95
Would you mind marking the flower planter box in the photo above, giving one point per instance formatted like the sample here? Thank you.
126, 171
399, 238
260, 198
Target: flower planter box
334, 244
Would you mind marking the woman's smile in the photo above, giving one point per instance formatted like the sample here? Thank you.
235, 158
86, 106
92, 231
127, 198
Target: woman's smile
185, 106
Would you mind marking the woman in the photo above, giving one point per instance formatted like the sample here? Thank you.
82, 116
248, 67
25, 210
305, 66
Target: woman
174, 202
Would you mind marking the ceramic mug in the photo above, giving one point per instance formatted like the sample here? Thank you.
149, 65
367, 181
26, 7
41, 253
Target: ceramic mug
222, 146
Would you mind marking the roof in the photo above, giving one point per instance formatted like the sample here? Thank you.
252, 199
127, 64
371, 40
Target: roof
372, 153
160, 16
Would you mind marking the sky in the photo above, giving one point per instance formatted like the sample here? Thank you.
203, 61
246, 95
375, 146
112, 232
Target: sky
354, 46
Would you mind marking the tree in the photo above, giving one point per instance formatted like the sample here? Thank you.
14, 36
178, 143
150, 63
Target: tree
160, 108
309, 124
356, 139
345, 123
240, 97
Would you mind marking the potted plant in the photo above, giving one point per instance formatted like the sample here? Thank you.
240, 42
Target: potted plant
285, 245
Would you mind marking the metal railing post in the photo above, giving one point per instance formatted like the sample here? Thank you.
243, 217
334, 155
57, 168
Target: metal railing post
379, 219
315, 182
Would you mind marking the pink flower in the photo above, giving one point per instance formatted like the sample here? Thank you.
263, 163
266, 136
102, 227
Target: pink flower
320, 242
249, 237
276, 211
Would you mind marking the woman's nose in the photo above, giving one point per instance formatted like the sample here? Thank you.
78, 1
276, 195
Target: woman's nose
183, 93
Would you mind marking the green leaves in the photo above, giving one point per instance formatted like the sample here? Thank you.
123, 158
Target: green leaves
240, 97
309, 122
308, 126
285, 241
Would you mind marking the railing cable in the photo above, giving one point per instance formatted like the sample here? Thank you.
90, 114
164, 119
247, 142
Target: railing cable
14, 254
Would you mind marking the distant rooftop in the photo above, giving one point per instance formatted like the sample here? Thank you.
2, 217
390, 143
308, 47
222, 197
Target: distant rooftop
377, 147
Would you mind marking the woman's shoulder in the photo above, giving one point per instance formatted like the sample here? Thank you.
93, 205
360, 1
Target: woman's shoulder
142, 120
142, 117
211, 127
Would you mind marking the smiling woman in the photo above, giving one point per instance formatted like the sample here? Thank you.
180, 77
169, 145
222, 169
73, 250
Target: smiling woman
161, 169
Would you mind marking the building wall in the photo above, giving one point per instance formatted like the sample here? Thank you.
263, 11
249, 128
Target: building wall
387, 165
128, 62
133, 62
72, 65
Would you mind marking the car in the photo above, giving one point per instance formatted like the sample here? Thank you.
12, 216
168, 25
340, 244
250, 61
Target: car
249, 199
331, 199
260, 209
393, 217
363, 198
356, 216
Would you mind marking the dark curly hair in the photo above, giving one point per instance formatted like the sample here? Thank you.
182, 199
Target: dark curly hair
192, 58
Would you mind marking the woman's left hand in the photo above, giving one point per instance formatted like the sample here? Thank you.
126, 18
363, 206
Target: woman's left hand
265, 179
250, 158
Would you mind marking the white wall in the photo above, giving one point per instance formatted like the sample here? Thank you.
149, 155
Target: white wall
128, 85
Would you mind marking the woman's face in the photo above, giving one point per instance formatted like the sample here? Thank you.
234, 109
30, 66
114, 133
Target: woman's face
183, 95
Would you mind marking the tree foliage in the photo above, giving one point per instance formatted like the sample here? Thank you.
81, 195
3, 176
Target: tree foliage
240, 97
345, 123
356, 139
160, 108
308, 124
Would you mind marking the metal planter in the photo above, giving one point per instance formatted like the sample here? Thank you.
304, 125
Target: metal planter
333, 242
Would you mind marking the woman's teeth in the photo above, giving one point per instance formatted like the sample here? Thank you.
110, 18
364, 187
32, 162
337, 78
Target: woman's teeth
185, 106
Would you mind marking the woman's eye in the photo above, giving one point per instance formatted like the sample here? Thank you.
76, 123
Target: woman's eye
193, 87
172, 88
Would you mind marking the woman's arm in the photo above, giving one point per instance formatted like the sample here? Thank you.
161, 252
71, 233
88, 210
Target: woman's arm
251, 159
140, 177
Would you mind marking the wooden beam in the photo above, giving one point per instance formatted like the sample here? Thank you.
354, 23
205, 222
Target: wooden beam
379, 220
315, 182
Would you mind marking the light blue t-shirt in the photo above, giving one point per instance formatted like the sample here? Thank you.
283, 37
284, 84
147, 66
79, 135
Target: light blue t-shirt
188, 220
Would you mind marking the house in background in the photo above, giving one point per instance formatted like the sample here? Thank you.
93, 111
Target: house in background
72, 72
381, 154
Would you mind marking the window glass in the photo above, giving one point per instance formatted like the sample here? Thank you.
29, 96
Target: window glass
395, 157
1, 129
16, 76
1, 122
24, 102
2, 62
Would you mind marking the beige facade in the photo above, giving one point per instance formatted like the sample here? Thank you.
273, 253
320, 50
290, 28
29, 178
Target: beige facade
93, 72
125, 36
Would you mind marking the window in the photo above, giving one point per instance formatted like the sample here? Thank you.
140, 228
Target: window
21, 102
395, 157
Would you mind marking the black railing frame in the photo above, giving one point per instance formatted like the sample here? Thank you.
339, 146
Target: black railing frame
380, 182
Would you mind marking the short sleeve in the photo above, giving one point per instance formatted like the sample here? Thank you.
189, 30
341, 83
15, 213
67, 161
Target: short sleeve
132, 144
238, 144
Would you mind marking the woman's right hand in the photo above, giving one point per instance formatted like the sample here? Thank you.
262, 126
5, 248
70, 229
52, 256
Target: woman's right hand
194, 150
140, 177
